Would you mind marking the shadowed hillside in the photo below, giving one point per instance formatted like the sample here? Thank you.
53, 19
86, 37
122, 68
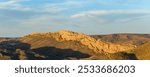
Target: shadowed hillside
16, 50
52, 53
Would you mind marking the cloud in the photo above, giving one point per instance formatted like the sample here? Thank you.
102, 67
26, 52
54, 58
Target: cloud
109, 16
50, 9
70, 3
89, 13
45, 7
62, 6
46, 20
13, 5
36, 21
123, 3
7, 3
108, 12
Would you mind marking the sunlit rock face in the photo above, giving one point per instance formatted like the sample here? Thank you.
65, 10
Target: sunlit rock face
92, 43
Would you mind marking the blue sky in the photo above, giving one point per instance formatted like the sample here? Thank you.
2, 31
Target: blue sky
21, 17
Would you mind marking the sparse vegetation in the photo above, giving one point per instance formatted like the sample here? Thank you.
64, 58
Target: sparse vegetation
143, 52
21, 54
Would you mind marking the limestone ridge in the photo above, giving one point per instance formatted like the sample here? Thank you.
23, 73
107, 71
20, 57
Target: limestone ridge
92, 43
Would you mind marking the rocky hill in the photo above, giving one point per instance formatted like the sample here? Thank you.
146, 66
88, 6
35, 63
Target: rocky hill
96, 45
72, 45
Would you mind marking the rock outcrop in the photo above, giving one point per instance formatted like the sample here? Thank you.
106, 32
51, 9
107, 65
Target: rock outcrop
92, 43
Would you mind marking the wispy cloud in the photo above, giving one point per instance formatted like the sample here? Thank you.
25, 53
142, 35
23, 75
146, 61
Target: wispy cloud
108, 12
13, 5
108, 16
61, 7
44, 8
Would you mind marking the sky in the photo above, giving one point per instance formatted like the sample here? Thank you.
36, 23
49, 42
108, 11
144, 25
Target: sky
22, 17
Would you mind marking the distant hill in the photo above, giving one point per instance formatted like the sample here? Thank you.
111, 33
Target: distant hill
135, 39
74, 46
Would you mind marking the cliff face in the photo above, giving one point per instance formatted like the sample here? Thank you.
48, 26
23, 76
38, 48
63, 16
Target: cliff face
94, 44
